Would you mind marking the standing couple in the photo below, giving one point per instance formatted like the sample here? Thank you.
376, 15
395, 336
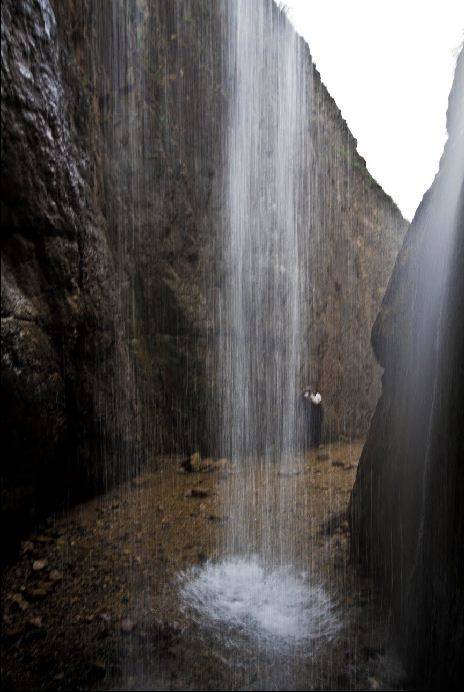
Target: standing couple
314, 414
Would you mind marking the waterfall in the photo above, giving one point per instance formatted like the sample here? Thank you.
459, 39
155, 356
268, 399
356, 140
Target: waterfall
267, 196
261, 586
260, 263
120, 42
190, 239
260, 591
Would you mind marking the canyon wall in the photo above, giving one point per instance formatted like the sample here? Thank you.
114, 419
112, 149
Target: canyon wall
353, 238
407, 517
63, 361
113, 121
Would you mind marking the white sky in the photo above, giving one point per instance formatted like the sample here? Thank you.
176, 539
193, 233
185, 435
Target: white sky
389, 66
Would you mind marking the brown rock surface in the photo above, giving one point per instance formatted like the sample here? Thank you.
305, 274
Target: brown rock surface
111, 224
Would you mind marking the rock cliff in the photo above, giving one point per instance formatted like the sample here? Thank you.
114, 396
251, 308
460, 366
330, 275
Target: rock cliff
62, 359
112, 146
406, 507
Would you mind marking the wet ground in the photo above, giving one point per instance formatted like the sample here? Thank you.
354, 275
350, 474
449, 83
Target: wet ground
97, 600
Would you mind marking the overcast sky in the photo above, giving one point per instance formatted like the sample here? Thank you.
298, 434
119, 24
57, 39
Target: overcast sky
389, 66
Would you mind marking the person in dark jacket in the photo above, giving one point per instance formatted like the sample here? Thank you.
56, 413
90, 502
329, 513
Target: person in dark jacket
315, 414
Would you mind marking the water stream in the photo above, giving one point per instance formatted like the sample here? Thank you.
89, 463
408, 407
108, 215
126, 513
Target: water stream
259, 589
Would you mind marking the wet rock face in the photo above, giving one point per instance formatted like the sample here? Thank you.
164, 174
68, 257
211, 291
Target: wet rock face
112, 218
406, 507
57, 293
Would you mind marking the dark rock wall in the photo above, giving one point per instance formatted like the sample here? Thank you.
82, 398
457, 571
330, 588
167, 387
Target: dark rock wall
406, 507
112, 142
62, 360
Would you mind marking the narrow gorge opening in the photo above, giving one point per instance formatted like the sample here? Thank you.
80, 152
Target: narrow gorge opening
214, 480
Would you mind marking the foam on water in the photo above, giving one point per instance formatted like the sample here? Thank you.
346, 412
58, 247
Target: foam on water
276, 608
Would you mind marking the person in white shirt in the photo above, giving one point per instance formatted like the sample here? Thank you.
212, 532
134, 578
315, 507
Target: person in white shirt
315, 414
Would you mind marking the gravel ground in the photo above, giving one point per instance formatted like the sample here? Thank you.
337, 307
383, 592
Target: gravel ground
92, 602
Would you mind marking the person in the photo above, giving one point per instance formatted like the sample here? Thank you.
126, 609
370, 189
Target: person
315, 414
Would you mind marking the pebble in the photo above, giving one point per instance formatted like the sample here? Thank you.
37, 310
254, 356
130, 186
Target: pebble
196, 492
216, 519
39, 565
192, 464
27, 547
44, 539
19, 601
207, 465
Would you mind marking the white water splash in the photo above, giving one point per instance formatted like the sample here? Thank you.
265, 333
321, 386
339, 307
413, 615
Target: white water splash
239, 598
